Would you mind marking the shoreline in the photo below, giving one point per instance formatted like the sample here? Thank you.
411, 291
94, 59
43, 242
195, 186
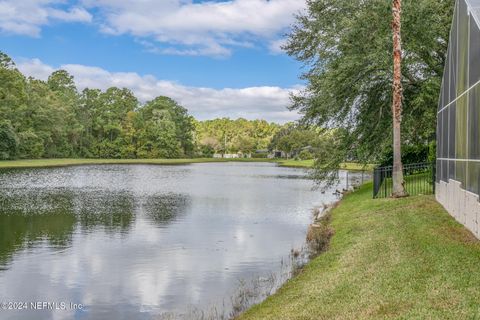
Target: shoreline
388, 259
54, 163
70, 162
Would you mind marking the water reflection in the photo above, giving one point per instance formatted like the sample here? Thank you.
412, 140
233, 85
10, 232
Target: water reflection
164, 208
28, 216
114, 212
20, 231
133, 242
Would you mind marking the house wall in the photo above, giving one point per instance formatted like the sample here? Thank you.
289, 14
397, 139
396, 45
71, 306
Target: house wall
463, 205
458, 119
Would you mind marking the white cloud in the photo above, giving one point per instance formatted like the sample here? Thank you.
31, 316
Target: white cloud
28, 16
72, 15
35, 68
263, 102
276, 46
207, 28
179, 27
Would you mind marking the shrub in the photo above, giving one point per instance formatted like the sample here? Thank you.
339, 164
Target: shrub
410, 154
319, 235
305, 155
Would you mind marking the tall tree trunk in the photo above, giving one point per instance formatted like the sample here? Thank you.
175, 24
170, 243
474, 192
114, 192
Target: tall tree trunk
397, 175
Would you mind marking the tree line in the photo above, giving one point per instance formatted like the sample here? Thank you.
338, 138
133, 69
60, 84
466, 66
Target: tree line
233, 136
52, 119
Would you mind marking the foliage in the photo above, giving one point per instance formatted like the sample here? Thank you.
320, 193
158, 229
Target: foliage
305, 155
173, 126
232, 136
8, 142
294, 140
410, 154
346, 47
30, 145
319, 235
432, 152
51, 119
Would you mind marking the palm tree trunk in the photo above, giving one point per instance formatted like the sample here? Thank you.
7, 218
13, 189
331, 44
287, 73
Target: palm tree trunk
397, 174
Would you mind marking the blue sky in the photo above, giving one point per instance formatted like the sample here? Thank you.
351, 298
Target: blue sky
218, 58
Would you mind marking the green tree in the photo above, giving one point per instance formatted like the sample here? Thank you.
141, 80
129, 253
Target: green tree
30, 145
13, 95
293, 139
226, 135
183, 122
110, 111
88, 113
159, 136
47, 117
62, 84
8, 141
346, 49
52, 119
62, 81
246, 144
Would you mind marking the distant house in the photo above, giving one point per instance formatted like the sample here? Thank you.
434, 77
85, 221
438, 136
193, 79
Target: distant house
458, 117
277, 154
237, 155
292, 154
261, 153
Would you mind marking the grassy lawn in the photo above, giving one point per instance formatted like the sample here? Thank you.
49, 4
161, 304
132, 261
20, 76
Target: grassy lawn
353, 166
295, 163
415, 184
389, 259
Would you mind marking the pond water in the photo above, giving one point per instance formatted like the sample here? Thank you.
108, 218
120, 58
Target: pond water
140, 241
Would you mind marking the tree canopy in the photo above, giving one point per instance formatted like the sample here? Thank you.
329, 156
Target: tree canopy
346, 47
231, 136
52, 119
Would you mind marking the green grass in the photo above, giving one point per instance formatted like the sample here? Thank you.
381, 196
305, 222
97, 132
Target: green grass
351, 166
38, 163
295, 163
354, 166
389, 259
74, 162
415, 184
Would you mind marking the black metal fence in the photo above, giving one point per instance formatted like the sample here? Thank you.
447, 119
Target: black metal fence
419, 179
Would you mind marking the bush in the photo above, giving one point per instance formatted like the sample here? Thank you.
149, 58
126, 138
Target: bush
432, 151
305, 155
319, 235
410, 154
260, 155
205, 151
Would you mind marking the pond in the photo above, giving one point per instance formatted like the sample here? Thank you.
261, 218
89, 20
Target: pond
145, 241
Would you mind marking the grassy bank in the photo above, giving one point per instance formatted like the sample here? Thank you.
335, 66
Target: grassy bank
295, 163
351, 166
38, 163
402, 259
